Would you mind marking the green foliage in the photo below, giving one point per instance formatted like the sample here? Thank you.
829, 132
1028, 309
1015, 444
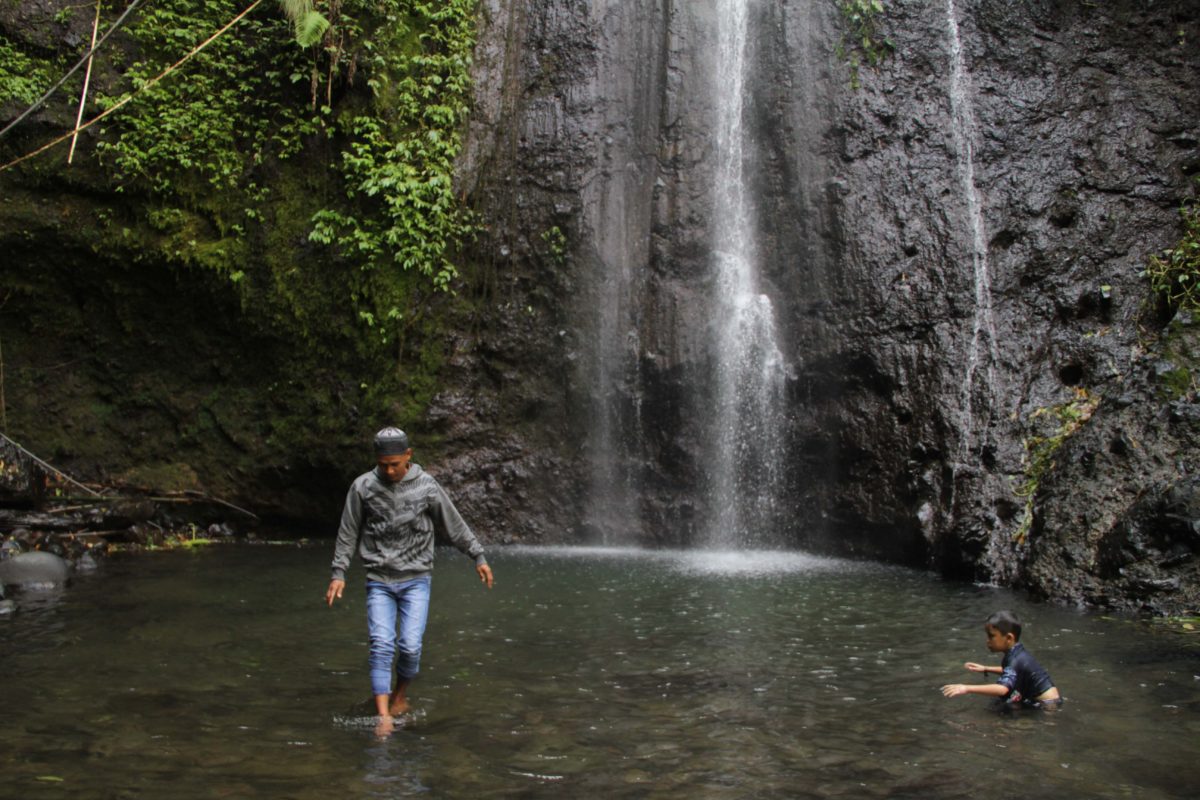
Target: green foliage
1178, 367
313, 183
556, 240
1175, 273
398, 165
310, 25
1040, 450
23, 79
862, 42
310, 28
385, 92
207, 127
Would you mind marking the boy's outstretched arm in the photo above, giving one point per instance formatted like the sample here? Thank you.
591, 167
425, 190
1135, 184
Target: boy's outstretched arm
973, 667
992, 689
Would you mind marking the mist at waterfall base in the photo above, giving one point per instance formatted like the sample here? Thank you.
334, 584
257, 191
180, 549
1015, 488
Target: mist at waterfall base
590, 672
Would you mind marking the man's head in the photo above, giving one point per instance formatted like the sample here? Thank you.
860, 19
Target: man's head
1003, 630
392, 453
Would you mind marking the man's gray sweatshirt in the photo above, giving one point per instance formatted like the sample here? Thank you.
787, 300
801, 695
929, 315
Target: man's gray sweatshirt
393, 525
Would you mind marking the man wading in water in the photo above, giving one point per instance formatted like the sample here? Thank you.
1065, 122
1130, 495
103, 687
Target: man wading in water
390, 516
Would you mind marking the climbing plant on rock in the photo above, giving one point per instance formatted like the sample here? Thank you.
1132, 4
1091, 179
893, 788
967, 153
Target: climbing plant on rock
399, 159
1175, 272
862, 41
1041, 449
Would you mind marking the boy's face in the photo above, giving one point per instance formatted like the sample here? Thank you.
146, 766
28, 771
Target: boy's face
999, 642
393, 468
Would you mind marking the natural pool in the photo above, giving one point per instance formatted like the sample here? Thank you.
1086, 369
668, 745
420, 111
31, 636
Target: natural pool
584, 673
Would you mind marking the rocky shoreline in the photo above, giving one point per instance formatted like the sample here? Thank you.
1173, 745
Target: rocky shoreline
53, 526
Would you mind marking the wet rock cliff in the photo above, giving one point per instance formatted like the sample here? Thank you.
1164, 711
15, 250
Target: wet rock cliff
953, 239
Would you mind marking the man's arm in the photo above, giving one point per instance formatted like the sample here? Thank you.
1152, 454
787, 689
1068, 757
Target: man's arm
446, 516
347, 541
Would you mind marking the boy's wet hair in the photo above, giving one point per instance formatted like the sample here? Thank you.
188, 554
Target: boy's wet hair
1006, 622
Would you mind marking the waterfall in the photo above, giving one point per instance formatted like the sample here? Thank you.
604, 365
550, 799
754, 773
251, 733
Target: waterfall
613, 491
964, 132
746, 427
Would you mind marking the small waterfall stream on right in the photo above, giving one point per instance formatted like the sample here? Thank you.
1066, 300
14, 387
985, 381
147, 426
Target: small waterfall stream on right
982, 325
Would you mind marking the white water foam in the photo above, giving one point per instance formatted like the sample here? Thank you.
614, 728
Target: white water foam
705, 562
363, 722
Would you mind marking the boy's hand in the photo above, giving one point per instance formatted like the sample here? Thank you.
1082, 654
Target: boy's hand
334, 592
973, 667
954, 689
485, 574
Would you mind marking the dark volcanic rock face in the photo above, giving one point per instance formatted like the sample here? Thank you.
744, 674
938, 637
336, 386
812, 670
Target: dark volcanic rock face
1084, 141
950, 247
1118, 521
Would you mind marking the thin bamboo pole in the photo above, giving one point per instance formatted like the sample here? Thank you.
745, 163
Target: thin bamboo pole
87, 79
46, 466
130, 95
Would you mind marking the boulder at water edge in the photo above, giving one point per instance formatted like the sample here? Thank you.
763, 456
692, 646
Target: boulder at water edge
6, 606
35, 570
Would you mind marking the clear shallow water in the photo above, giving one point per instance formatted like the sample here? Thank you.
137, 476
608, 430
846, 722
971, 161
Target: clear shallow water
584, 673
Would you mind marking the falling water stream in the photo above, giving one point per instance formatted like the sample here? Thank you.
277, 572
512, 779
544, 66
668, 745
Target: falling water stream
983, 327
603, 673
747, 416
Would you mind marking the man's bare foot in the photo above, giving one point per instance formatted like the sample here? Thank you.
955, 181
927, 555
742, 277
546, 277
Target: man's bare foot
398, 702
384, 727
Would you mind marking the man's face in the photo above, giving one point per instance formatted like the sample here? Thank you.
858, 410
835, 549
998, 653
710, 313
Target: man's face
392, 468
998, 642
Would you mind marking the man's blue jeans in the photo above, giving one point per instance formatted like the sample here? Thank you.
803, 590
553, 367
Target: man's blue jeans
406, 602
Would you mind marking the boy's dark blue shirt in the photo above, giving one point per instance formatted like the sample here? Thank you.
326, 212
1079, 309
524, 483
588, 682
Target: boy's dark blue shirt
1025, 678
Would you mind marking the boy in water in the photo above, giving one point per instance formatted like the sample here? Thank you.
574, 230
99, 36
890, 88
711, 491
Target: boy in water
390, 516
1022, 679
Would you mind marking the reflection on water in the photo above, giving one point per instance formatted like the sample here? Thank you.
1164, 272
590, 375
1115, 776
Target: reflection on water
585, 672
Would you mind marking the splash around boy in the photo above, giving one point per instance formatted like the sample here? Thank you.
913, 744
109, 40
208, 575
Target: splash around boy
1022, 679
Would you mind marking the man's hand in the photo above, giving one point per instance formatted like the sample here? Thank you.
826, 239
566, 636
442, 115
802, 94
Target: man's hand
973, 667
954, 689
334, 592
485, 574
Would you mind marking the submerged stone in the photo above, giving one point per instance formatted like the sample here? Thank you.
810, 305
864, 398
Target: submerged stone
34, 570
